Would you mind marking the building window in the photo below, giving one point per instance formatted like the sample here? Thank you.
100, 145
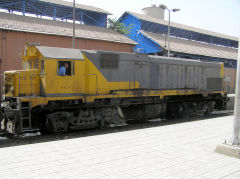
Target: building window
109, 61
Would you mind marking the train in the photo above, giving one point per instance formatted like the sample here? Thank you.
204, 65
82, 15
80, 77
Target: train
100, 88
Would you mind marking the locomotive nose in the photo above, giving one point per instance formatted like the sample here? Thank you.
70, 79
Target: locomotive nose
9, 84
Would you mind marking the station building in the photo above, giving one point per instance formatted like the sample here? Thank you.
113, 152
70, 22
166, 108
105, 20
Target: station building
150, 30
49, 23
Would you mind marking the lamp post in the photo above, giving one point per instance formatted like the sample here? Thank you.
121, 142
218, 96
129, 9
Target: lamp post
236, 120
162, 6
73, 37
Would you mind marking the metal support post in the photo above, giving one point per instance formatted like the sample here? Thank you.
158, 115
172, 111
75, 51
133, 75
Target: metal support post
54, 13
73, 38
81, 17
23, 7
162, 6
169, 33
236, 120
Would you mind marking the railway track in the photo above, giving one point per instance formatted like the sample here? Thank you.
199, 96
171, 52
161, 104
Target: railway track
36, 137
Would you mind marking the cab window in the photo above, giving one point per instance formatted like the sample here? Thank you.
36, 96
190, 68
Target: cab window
36, 64
27, 65
65, 68
31, 64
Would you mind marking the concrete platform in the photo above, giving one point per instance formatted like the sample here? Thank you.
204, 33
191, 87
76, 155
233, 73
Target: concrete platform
178, 151
228, 149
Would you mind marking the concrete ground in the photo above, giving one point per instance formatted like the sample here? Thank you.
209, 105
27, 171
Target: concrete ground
184, 150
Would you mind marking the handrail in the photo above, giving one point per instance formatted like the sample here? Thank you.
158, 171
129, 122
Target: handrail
19, 79
96, 81
31, 79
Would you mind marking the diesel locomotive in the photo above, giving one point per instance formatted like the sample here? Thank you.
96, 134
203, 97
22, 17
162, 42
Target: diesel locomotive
101, 88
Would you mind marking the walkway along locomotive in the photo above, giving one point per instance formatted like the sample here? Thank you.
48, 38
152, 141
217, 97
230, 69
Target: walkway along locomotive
101, 88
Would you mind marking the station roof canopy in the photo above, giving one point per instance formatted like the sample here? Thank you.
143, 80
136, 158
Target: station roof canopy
44, 26
78, 6
57, 10
192, 47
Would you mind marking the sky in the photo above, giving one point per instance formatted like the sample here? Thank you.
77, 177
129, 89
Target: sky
222, 16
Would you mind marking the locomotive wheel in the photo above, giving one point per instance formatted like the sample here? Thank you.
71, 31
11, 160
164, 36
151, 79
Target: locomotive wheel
178, 110
49, 126
184, 110
43, 128
208, 108
52, 124
206, 112
56, 126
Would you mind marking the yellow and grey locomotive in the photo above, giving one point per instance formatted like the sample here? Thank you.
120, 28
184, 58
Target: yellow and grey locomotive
64, 89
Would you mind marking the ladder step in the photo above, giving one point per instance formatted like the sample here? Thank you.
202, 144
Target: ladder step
25, 116
25, 108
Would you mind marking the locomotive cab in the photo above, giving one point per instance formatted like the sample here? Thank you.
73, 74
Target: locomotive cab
41, 75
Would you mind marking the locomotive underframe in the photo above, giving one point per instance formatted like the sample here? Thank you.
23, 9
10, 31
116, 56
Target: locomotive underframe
64, 115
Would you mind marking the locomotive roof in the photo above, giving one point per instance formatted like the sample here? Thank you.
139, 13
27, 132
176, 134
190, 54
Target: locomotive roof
125, 56
60, 53
76, 54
